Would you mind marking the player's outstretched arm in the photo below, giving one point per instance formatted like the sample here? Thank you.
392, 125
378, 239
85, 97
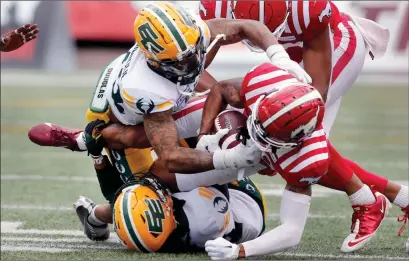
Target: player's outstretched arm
221, 94
294, 208
163, 136
238, 30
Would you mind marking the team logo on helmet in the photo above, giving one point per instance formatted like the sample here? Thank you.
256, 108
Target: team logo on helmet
154, 215
148, 39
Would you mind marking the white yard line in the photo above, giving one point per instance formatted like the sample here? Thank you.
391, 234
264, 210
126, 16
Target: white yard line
82, 240
90, 178
74, 244
33, 207
350, 256
275, 216
36, 249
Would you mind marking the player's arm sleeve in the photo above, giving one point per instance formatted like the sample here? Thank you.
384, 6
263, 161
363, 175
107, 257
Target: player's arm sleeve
293, 216
212, 177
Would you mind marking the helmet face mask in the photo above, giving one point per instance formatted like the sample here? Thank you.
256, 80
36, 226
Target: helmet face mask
188, 64
259, 135
171, 41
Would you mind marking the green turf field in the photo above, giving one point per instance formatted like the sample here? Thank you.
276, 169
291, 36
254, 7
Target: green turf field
39, 185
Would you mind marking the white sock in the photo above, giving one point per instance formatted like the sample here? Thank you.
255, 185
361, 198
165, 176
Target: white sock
402, 199
81, 142
363, 196
94, 220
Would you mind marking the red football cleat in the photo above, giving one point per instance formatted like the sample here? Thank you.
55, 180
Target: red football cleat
365, 222
53, 135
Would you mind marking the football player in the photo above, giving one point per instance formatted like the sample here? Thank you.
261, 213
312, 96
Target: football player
13, 40
331, 46
148, 218
152, 84
159, 74
285, 123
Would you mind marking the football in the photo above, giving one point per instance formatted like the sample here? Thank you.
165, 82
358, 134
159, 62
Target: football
232, 120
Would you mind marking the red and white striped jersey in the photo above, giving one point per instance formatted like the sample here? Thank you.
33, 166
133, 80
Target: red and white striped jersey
300, 166
210, 9
306, 19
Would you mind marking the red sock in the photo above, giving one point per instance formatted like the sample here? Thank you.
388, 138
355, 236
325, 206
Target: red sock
339, 172
367, 177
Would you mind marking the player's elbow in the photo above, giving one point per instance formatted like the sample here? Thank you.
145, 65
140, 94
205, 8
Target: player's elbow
170, 160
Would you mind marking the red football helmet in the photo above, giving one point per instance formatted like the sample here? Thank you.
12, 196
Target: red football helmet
285, 117
273, 14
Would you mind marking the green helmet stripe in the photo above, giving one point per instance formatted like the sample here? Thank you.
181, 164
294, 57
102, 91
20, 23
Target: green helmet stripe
187, 18
130, 226
170, 26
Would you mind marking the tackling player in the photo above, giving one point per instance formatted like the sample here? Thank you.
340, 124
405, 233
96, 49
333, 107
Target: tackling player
283, 115
332, 47
159, 74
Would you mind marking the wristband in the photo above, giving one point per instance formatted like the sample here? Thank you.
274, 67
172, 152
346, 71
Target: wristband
97, 159
218, 159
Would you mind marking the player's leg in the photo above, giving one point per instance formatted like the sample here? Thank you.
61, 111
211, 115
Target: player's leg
370, 207
348, 58
95, 218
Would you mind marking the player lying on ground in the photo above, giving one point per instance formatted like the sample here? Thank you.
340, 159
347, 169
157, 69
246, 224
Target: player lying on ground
13, 40
147, 218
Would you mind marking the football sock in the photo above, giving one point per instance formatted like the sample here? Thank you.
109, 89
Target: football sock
402, 199
81, 142
363, 196
93, 220
109, 181
367, 177
339, 174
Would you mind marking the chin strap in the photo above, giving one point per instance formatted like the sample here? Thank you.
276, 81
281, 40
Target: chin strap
190, 94
216, 39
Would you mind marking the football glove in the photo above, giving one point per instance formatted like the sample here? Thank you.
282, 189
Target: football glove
221, 249
93, 138
237, 157
279, 57
210, 143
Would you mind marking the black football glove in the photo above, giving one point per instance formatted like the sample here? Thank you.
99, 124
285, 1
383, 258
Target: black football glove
93, 138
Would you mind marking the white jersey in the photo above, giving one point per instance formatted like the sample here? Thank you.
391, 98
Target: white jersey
247, 214
134, 90
211, 215
208, 213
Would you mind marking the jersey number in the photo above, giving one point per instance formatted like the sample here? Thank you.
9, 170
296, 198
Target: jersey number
148, 39
154, 215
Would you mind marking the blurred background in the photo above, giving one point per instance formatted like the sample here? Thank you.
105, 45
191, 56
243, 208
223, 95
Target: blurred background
79, 37
52, 79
